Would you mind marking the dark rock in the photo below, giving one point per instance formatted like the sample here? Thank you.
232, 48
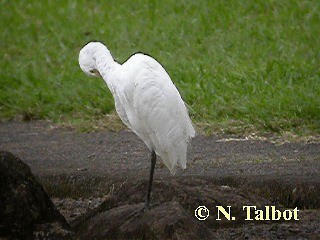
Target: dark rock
171, 215
26, 211
165, 221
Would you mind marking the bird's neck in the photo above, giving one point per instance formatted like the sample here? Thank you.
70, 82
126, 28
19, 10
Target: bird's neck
106, 66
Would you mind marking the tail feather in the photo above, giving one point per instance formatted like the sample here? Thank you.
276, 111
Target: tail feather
176, 156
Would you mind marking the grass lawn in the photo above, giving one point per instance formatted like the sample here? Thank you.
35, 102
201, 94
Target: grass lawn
238, 64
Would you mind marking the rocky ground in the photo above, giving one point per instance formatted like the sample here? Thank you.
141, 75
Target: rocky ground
98, 181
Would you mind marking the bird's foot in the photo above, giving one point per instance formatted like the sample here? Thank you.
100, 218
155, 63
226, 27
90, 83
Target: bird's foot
146, 207
137, 212
140, 210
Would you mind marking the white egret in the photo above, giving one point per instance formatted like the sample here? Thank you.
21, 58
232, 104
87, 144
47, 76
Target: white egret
146, 101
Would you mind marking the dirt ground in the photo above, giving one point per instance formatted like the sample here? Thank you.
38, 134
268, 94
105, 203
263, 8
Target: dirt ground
82, 170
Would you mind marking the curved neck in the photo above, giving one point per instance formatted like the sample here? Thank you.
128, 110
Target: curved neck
105, 65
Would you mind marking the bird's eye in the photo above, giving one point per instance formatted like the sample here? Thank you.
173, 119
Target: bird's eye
92, 71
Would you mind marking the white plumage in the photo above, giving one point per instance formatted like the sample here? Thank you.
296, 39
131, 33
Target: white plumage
146, 100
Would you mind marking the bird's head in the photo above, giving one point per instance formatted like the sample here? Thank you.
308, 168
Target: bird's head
87, 58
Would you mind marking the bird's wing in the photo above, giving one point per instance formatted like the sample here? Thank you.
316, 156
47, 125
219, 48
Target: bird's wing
121, 111
155, 110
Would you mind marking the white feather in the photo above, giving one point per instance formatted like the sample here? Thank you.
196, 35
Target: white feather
147, 102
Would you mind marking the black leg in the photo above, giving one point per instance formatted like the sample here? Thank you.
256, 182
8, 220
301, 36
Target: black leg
153, 163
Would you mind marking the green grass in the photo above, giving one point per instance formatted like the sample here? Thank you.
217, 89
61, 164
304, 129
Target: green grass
251, 64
